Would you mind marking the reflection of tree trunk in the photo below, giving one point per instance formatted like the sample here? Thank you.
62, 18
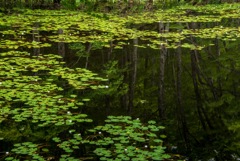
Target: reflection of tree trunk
133, 75
130, 4
56, 1
210, 78
27, 3
180, 108
61, 45
36, 51
218, 52
124, 64
153, 60
107, 104
146, 64
194, 62
196, 89
110, 51
108, 97
88, 54
149, 5
163, 54
161, 108
219, 84
4, 3
203, 116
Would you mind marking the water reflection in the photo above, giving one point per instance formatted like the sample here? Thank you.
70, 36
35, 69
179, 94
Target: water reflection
188, 83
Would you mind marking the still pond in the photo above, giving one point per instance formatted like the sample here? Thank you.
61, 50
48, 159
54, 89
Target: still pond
159, 85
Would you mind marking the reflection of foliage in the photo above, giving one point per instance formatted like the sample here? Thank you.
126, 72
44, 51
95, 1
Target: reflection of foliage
116, 86
113, 90
39, 93
80, 48
69, 4
97, 45
77, 46
218, 85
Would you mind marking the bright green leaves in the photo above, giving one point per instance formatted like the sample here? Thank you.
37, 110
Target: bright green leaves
122, 138
30, 82
95, 28
78, 78
10, 44
220, 32
56, 139
72, 144
31, 91
27, 148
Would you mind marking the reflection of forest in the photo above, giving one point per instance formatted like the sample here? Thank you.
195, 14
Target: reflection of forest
194, 93
184, 75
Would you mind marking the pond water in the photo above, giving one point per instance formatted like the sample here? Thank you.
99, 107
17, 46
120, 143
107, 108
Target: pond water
64, 72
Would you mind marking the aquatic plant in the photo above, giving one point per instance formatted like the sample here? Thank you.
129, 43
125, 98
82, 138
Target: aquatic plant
100, 27
30, 90
123, 138
41, 92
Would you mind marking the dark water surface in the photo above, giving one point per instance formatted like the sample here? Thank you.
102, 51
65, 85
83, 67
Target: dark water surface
183, 74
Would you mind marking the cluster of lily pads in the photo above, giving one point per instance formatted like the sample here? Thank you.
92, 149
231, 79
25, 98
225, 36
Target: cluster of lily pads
29, 89
32, 91
91, 27
27, 148
11, 44
42, 91
121, 138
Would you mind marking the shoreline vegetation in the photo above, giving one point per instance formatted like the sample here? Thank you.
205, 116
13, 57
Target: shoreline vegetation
117, 6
